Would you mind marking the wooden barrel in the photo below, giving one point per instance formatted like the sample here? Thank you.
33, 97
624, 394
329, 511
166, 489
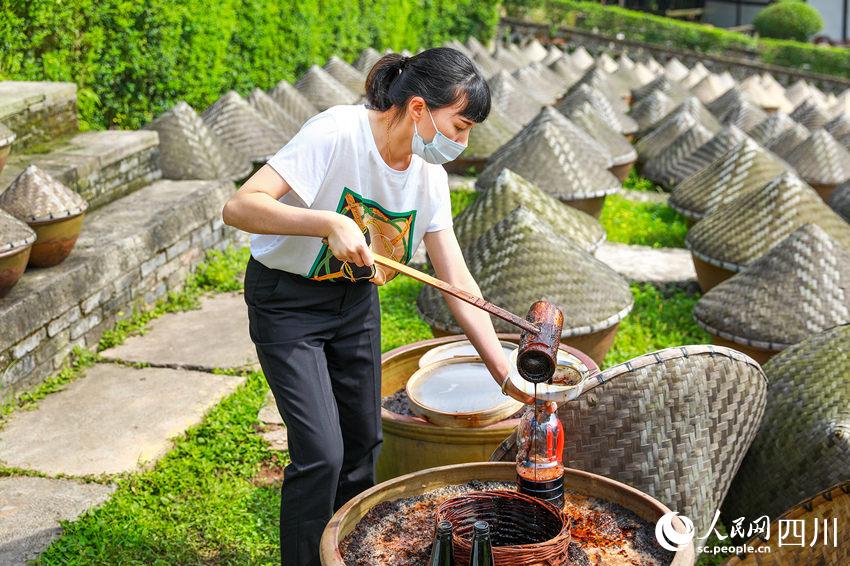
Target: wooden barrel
709, 275
584, 483
412, 443
592, 206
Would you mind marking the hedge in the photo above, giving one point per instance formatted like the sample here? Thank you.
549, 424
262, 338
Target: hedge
641, 26
788, 19
134, 59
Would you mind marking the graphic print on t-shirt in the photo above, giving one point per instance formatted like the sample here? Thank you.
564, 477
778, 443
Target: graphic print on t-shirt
388, 234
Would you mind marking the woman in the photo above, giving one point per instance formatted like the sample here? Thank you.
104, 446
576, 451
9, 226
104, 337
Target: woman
354, 181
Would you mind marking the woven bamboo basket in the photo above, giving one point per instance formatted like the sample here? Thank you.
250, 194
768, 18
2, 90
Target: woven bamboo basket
830, 507
525, 531
675, 424
803, 445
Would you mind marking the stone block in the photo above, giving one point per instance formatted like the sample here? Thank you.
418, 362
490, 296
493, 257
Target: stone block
62, 322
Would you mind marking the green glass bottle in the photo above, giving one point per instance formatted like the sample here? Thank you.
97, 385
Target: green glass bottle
482, 547
441, 550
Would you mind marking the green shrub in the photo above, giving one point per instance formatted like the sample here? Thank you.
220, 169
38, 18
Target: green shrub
133, 60
788, 20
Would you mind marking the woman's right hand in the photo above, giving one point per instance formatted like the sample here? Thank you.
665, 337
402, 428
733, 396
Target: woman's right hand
347, 242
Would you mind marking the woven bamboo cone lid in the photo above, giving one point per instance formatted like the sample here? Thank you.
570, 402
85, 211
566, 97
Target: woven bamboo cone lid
558, 157
35, 197
512, 98
586, 117
293, 102
544, 91
703, 156
484, 139
582, 93
14, 234
274, 113
771, 127
676, 123
242, 128
810, 115
744, 168
366, 60
787, 141
509, 192
521, 260
659, 168
348, 76
651, 109
803, 444
746, 115
706, 397
581, 58
188, 149
709, 88
738, 233
565, 69
839, 126
322, 90
798, 288
840, 200
603, 82
675, 70
821, 162
662, 84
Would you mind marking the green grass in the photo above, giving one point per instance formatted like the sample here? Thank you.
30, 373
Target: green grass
400, 321
635, 182
643, 223
462, 198
657, 321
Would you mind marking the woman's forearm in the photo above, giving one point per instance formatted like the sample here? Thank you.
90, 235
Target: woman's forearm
259, 213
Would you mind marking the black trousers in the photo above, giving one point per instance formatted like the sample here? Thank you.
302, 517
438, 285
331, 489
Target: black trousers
319, 344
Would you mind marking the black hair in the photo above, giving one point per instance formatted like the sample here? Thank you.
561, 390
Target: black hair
442, 76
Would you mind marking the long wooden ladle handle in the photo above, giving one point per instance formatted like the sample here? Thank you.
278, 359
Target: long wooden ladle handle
459, 293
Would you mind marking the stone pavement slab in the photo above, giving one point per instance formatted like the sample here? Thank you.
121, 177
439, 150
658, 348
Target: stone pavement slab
31, 508
216, 336
114, 419
273, 430
659, 266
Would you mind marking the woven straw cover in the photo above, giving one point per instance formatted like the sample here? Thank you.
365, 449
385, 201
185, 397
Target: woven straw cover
659, 167
822, 546
693, 106
709, 88
661, 84
820, 160
840, 200
653, 65
581, 93
838, 126
348, 76
842, 104
241, 127
695, 76
798, 288
744, 168
586, 117
293, 102
534, 51
581, 58
7, 136
14, 234
625, 62
34, 196
801, 91
811, 115
486, 65
507, 60
491, 134
188, 149
745, 115
512, 98
766, 93
366, 60
771, 127
803, 445
674, 424
665, 133
598, 79
703, 156
674, 70
272, 111
550, 76
552, 55
651, 109
788, 140
731, 98
510, 191
737, 233
625, 80
565, 69
521, 260
606, 63
541, 90
458, 46
643, 74
558, 157
322, 90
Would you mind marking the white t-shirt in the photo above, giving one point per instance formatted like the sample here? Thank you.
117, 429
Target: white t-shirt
333, 163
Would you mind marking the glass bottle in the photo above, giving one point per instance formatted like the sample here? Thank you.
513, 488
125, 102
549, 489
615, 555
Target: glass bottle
540, 452
482, 547
441, 550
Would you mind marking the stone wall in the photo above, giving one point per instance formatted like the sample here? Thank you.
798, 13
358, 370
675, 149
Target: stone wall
130, 253
38, 112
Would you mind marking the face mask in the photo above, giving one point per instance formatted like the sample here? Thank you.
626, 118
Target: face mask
439, 150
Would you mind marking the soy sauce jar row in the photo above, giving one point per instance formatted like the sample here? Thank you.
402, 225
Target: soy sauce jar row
482, 548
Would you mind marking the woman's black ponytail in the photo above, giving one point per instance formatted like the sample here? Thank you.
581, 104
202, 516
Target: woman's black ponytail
442, 76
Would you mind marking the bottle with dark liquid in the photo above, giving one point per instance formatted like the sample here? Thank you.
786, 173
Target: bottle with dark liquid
441, 550
540, 451
482, 547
